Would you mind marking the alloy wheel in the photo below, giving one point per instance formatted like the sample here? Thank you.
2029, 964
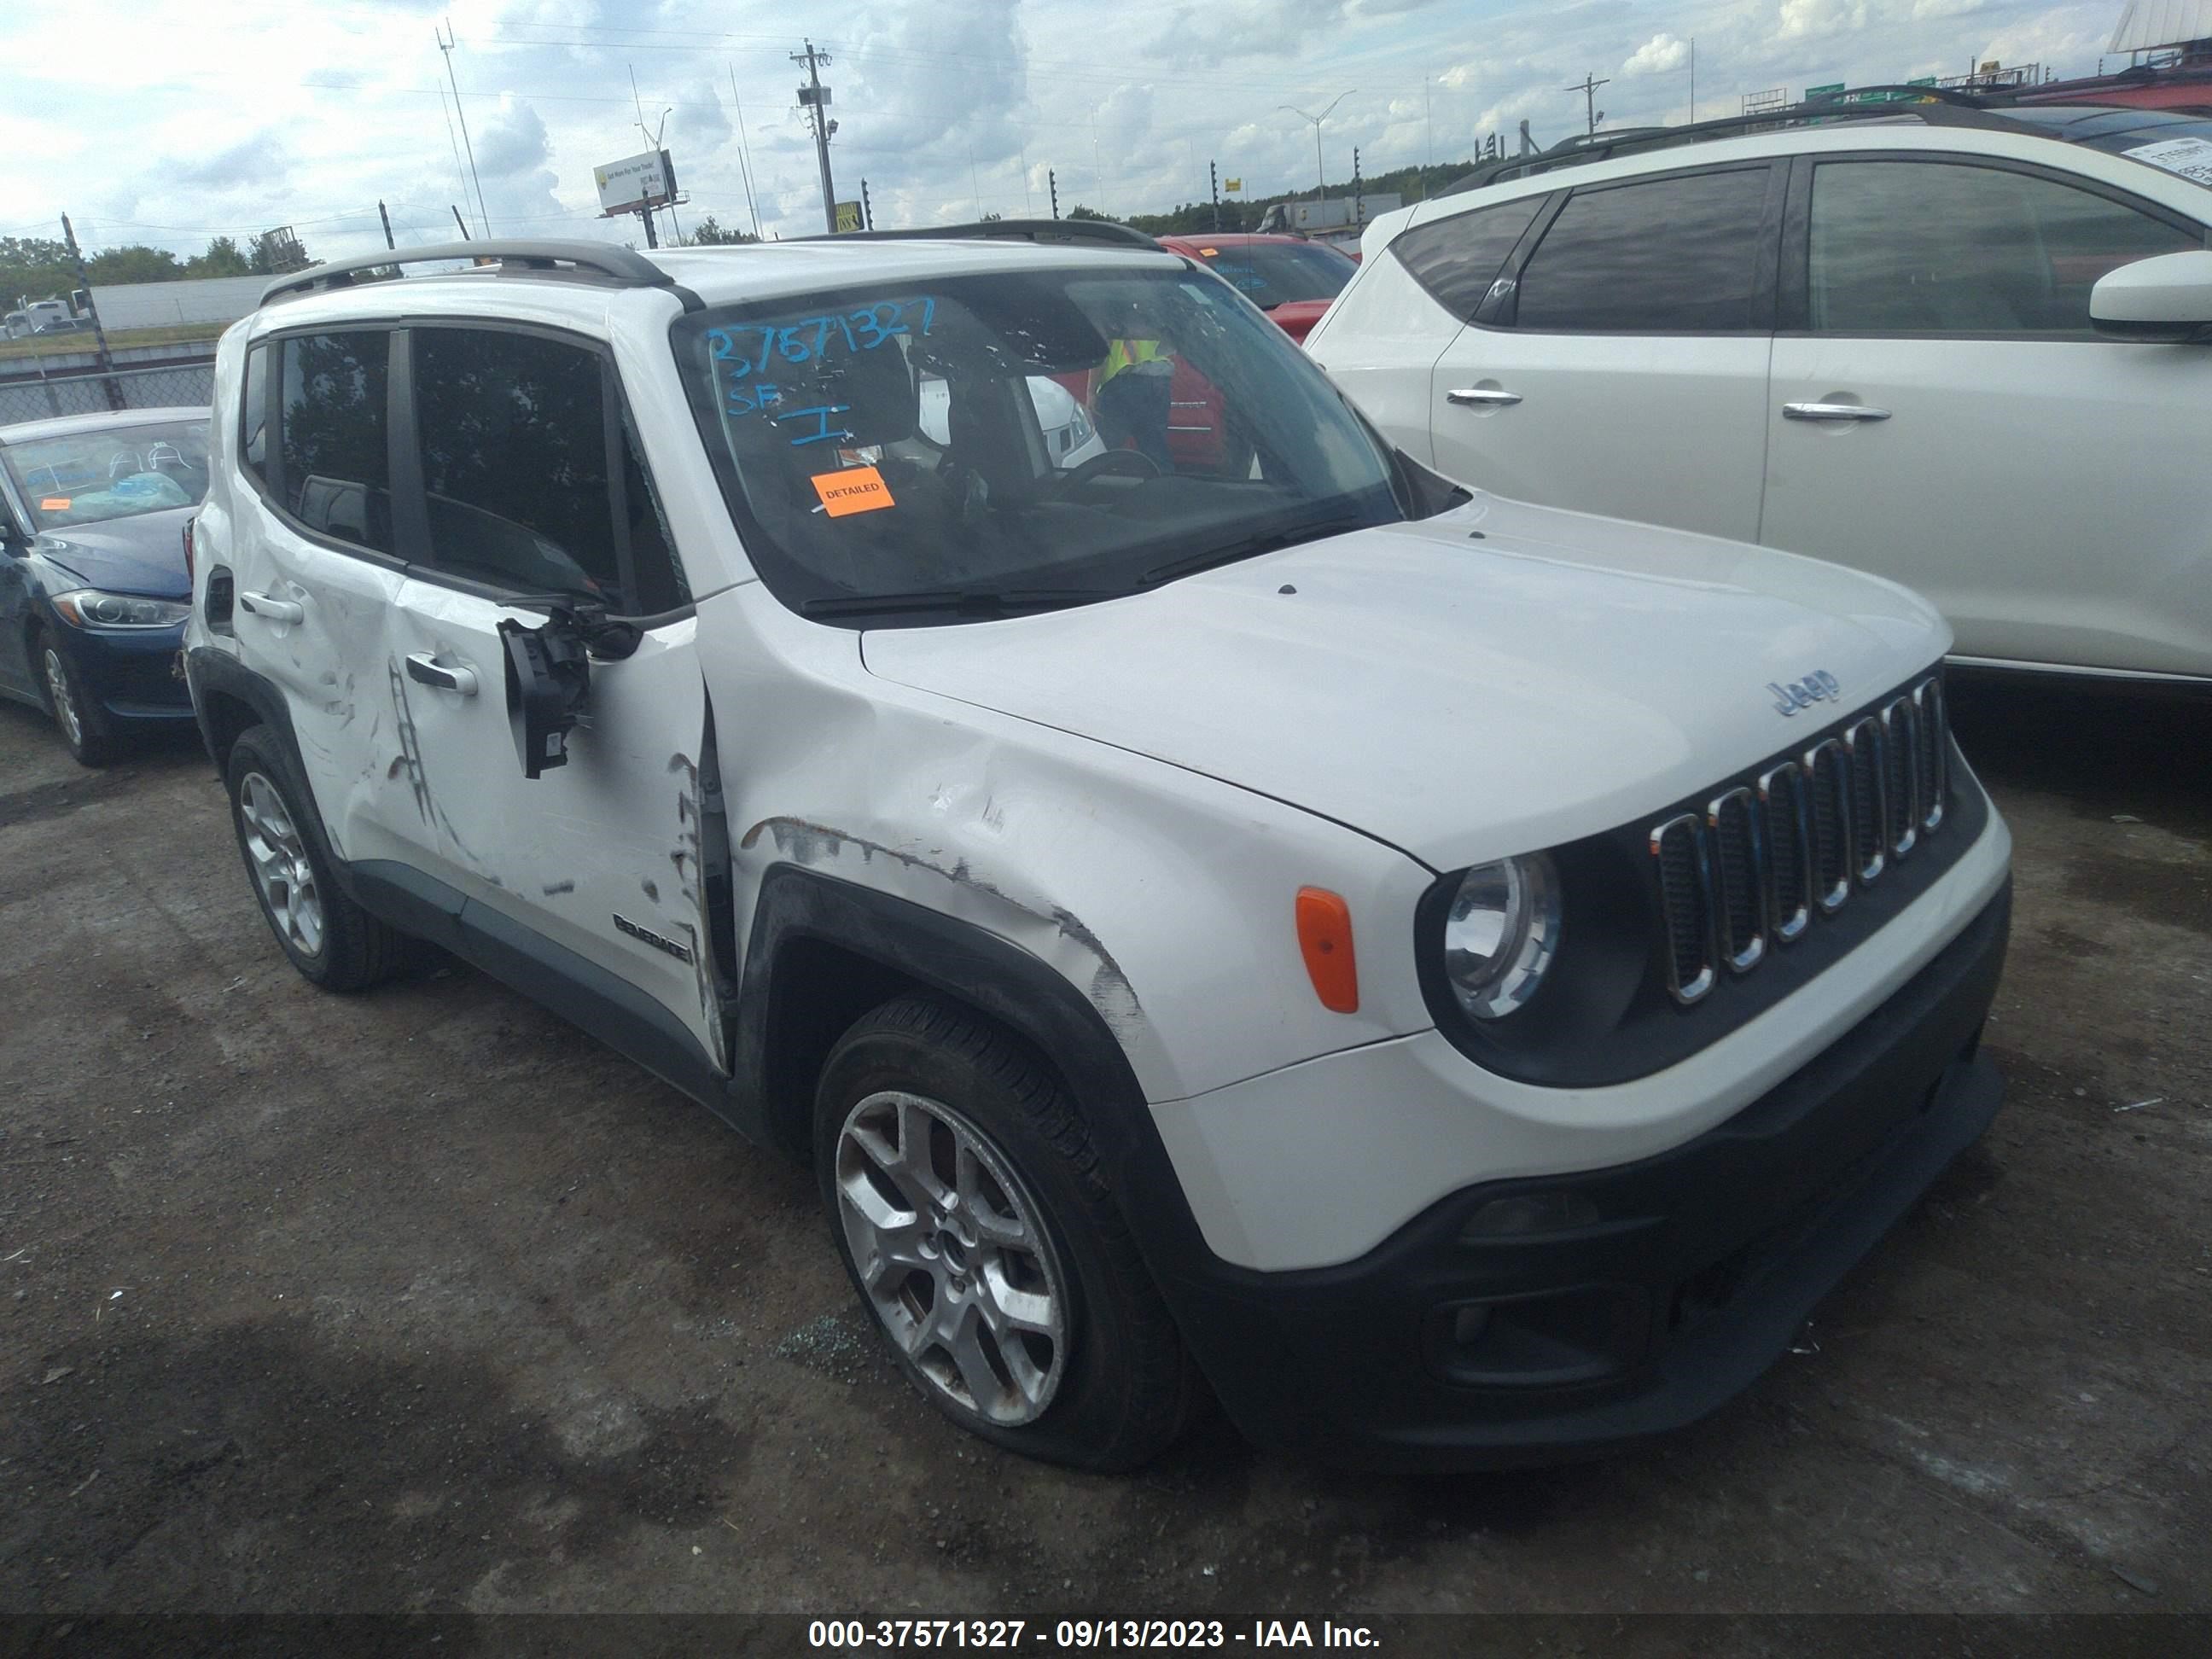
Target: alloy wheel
58, 689
953, 1256
282, 869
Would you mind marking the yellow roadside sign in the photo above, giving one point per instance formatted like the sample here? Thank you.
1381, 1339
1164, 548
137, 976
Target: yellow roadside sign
1232, 184
848, 217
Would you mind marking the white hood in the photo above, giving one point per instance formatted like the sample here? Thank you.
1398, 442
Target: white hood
1460, 697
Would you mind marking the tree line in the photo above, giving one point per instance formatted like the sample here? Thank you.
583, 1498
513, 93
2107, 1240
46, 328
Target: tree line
37, 268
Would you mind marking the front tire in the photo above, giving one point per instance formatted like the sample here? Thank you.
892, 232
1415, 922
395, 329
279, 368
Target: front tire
332, 941
76, 712
972, 1216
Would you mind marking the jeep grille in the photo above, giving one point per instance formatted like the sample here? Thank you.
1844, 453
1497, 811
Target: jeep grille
1758, 863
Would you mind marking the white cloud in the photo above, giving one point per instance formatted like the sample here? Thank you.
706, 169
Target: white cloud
1663, 52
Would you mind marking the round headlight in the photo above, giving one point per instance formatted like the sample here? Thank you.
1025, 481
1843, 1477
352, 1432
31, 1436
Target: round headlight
1501, 933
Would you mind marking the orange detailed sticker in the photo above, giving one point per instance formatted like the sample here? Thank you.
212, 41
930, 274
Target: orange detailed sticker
55, 504
855, 489
1210, 252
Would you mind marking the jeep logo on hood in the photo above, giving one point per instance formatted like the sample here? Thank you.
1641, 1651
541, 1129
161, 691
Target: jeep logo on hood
1819, 686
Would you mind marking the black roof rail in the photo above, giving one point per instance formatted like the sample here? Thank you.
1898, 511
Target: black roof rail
619, 266
1936, 106
1105, 231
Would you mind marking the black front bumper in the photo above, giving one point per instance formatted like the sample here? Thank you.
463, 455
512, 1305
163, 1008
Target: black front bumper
1684, 1278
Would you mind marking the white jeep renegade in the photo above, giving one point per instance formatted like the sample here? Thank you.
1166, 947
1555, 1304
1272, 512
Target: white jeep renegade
1217, 902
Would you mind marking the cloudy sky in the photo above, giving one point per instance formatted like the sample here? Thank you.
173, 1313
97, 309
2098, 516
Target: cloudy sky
167, 123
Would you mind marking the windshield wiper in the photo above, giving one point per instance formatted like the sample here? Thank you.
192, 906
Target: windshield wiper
1271, 541
967, 601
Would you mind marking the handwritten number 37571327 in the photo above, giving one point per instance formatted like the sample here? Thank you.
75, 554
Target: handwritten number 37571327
811, 337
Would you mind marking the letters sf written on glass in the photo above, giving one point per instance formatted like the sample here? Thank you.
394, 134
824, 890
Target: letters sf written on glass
805, 340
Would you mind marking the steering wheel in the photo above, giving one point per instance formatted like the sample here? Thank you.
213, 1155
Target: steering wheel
1134, 462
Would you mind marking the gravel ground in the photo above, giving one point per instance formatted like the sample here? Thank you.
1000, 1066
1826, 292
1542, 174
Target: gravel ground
423, 1301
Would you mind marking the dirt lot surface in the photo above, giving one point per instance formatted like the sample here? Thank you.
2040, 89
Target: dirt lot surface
422, 1300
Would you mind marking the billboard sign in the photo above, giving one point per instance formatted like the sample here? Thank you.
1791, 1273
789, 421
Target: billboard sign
848, 217
635, 182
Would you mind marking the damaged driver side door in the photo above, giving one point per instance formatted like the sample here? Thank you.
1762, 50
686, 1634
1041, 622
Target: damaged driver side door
542, 541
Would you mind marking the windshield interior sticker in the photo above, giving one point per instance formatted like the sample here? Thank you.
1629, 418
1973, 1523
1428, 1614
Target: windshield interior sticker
2190, 157
855, 489
55, 504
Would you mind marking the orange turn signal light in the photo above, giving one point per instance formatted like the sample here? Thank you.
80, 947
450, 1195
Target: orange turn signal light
1325, 941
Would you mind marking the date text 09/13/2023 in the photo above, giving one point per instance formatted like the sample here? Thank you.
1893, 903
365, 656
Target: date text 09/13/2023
1085, 1633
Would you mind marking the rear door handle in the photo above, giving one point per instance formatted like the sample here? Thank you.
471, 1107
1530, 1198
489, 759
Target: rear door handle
425, 667
1833, 412
1476, 394
267, 605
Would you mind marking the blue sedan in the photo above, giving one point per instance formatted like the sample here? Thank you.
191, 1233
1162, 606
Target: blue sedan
94, 583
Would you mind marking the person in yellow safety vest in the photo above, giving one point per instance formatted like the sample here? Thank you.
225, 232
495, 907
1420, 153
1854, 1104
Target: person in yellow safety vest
1131, 397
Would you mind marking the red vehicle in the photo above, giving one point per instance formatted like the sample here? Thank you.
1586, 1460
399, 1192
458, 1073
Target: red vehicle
1290, 278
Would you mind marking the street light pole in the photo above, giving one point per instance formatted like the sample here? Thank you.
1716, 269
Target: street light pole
1320, 180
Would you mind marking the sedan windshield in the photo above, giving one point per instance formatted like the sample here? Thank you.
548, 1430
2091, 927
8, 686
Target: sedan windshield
1269, 274
974, 445
110, 472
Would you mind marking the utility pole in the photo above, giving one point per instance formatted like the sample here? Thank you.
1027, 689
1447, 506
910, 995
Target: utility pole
1693, 80
815, 98
867, 208
1587, 86
386, 217
652, 143
99, 334
445, 44
1051, 183
457, 220
1214, 185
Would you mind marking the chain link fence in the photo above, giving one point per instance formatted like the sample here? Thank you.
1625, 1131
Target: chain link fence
85, 392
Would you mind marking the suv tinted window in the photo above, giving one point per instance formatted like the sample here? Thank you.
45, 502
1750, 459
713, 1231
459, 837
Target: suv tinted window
515, 447
1672, 256
1457, 259
332, 433
1925, 247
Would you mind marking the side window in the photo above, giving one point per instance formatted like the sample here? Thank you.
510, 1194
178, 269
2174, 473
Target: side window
1673, 256
1925, 247
515, 467
1457, 259
332, 436
253, 415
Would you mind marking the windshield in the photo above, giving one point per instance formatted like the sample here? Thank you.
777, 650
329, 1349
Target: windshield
2179, 146
978, 445
1270, 273
110, 472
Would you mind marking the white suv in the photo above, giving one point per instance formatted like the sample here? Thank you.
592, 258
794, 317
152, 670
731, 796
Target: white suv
1966, 348
1461, 978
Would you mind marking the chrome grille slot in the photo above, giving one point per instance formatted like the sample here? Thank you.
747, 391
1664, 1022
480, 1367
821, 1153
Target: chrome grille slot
1788, 852
1828, 780
1869, 773
1739, 859
1764, 859
1900, 732
1678, 846
1934, 780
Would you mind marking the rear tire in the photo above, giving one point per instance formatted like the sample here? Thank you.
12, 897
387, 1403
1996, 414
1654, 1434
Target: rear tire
76, 714
332, 941
975, 1221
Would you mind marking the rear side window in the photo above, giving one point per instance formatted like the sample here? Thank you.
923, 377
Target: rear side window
332, 436
1457, 259
1924, 247
253, 415
531, 487
1673, 256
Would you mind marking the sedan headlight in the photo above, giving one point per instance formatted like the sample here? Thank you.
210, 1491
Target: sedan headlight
1501, 933
87, 607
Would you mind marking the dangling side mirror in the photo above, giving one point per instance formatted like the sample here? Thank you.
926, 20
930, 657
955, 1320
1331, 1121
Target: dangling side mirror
548, 674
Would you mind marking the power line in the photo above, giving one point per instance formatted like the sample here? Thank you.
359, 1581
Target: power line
446, 46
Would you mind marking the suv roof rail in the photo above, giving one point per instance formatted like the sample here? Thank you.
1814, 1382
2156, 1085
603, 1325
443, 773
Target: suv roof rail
622, 266
1936, 106
1008, 230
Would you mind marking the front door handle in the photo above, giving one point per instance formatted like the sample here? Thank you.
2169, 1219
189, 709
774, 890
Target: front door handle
1833, 412
1476, 394
425, 667
267, 605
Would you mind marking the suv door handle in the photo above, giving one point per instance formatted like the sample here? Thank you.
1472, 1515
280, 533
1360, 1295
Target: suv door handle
1476, 394
1833, 412
424, 666
269, 606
